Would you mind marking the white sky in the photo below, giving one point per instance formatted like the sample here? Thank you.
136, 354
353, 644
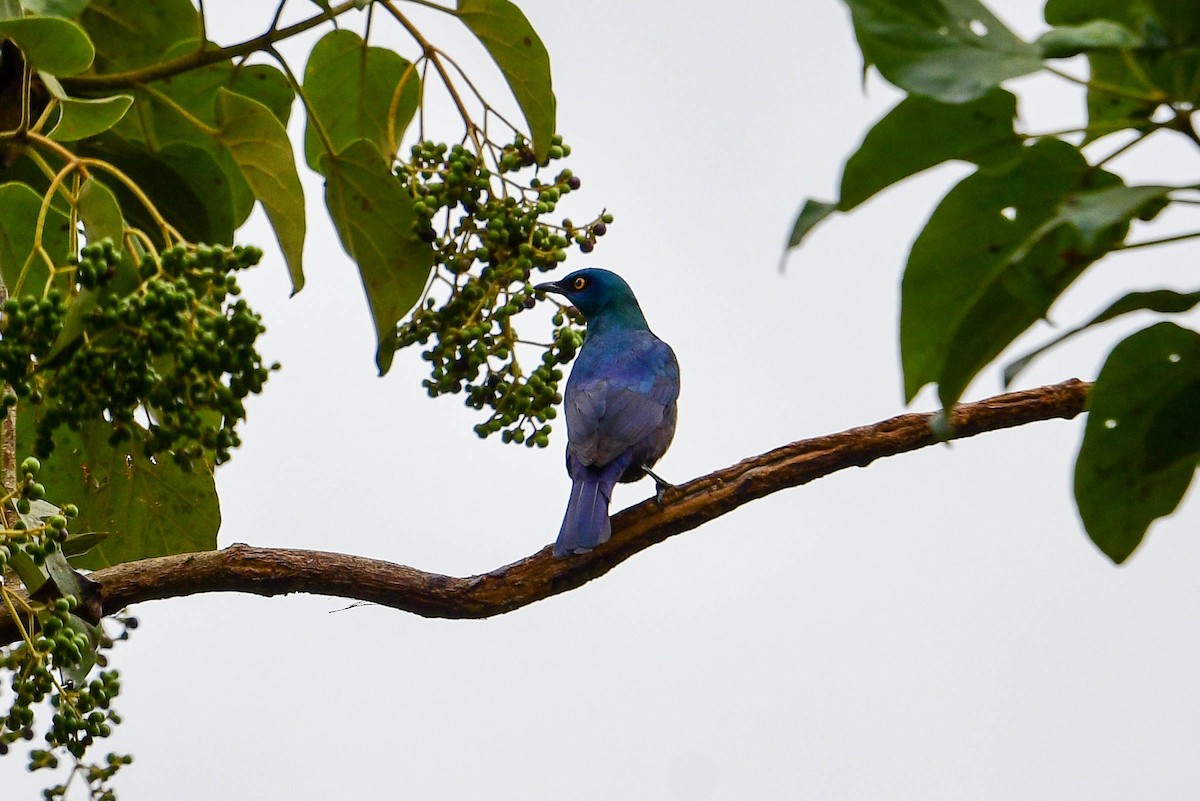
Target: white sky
934, 627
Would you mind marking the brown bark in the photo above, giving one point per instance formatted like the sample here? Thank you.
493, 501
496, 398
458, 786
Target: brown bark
276, 571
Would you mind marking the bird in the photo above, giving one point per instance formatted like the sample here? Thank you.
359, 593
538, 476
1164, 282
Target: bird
620, 403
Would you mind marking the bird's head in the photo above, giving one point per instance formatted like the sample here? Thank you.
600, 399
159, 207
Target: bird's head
597, 292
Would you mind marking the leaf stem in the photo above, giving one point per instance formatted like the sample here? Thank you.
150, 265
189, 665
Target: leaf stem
394, 106
168, 231
1163, 241
434, 6
313, 118
1108, 88
434, 56
1141, 136
40, 227
12, 613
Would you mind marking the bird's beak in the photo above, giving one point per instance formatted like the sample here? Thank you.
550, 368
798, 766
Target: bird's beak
550, 287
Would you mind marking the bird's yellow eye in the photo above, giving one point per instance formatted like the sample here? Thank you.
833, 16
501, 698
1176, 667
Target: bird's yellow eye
580, 283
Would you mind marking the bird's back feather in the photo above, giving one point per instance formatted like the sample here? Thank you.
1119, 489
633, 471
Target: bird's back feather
621, 395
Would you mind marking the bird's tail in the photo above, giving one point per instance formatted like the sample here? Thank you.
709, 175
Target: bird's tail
585, 524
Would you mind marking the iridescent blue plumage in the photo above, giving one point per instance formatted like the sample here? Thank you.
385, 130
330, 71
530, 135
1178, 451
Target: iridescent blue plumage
619, 403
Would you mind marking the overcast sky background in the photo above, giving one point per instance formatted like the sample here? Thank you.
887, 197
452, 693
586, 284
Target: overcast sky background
937, 626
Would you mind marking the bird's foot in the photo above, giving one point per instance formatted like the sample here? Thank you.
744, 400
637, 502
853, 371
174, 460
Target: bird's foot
660, 486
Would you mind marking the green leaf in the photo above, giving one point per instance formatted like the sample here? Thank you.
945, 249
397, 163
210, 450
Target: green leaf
989, 263
949, 50
19, 208
522, 58
55, 8
196, 92
1122, 483
145, 508
810, 214
1174, 436
185, 183
260, 146
53, 44
264, 83
159, 125
1163, 301
78, 674
131, 35
1176, 19
83, 118
100, 213
920, 133
61, 573
79, 544
10, 9
32, 575
1094, 213
1162, 69
1131, 106
374, 217
351, 89
1097, 34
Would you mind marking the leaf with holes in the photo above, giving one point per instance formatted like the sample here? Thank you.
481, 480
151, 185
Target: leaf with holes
953, 51
1140, 445
1163, 301
989, 263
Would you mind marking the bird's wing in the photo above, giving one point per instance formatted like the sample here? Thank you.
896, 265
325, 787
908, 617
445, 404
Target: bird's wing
620, 404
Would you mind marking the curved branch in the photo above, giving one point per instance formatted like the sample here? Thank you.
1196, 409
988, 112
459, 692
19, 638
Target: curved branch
277, 571
200, 57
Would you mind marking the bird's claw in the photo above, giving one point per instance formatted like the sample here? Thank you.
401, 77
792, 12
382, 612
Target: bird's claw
660, 486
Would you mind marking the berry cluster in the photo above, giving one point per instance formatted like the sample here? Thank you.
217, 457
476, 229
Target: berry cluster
81, 714
168, 339
54, 640
486, 231
29, 327
97, 264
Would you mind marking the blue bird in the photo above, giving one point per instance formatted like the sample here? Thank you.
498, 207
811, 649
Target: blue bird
619, 403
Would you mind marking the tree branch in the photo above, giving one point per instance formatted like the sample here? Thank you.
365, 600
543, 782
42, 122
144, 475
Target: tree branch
201, 57
272, 571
